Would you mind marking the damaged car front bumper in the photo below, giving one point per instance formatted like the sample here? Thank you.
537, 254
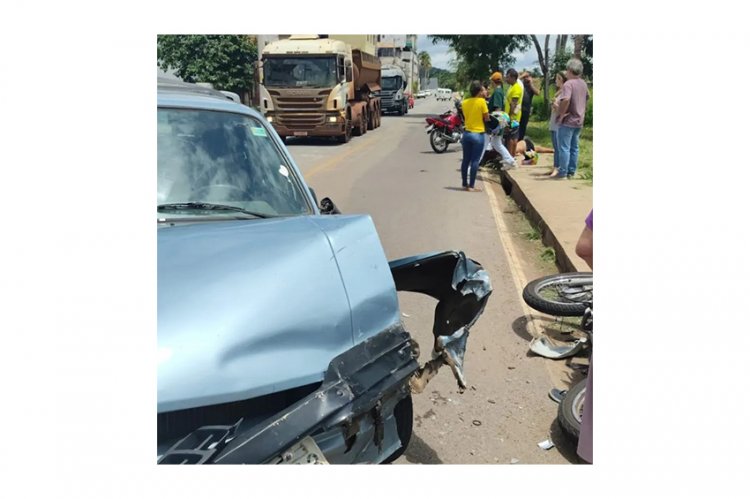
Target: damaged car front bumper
359, 413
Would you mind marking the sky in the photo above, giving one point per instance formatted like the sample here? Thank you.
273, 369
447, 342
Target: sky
441, 55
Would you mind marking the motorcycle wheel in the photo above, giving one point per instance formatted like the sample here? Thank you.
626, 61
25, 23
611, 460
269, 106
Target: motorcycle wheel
570, 411
438, 143
564, 295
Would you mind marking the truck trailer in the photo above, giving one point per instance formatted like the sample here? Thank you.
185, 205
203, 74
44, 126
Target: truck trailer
319, 87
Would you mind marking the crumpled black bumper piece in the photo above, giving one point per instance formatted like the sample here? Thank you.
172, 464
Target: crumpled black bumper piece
462, 288
354, 383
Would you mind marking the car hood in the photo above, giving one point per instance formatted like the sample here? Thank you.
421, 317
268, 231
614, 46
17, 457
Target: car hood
247, 308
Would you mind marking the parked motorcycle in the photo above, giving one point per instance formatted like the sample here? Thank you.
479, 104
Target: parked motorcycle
445, 129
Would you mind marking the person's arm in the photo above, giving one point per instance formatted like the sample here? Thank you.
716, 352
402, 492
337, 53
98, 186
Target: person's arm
564, 101
562, 108
534, 90
513, 105
585, 247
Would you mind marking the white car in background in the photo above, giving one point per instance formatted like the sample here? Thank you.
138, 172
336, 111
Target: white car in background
421, 94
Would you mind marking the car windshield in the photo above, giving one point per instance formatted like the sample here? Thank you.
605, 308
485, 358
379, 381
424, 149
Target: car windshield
300, 72
222, 158
391, 82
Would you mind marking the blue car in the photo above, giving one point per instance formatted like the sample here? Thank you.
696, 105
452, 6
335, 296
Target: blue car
279, 331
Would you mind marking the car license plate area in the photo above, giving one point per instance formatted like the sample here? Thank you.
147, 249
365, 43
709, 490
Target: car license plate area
305, 451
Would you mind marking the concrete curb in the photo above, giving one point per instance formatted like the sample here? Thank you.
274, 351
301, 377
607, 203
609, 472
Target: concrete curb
566, 259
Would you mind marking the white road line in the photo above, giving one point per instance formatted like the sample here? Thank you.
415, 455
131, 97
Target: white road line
519, 277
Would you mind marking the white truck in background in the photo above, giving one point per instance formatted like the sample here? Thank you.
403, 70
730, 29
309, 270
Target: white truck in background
393, 97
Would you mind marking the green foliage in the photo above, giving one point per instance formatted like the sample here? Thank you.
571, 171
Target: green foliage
538, 109
548, 255
446, 79
483, 54
425, 63
226, 61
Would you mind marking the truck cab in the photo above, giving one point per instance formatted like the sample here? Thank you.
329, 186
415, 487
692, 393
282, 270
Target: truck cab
392, 96
311, 86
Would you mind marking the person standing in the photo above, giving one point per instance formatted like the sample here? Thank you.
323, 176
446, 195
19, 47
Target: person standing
513, 107
560, 80
529, 91
571, 112
497, 100
585, 449
476, 114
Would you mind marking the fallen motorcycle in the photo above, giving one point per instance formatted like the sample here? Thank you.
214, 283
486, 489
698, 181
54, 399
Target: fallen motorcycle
566, 295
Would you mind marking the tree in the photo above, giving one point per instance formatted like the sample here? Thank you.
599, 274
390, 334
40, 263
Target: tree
544, 65
225, 61
425, 64
484, 54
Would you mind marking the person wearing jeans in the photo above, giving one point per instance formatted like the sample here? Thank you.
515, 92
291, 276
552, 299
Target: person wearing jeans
560, 80
476, 114
571, 112
567, 141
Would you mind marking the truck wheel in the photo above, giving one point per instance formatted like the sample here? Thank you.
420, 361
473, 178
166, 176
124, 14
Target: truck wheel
370, 121
406, 108
361, 126
347, 133
401, 111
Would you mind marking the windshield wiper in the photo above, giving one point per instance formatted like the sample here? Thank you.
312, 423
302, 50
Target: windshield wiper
208, 207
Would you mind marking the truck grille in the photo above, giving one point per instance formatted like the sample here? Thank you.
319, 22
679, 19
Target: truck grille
301, 121
306, 103
386, 99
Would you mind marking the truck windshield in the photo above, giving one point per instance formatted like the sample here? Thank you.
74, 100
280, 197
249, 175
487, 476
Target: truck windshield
391, 82
300, 72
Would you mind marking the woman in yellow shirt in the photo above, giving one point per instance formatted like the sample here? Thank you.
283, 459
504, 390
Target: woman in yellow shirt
475, 114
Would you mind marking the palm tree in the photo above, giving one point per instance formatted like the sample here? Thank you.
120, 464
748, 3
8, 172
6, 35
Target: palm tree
425, 63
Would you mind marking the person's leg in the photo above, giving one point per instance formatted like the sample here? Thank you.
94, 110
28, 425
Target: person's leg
556, 156
522, 125
476, 156
564, 136
497, 145
573, 164
466, 147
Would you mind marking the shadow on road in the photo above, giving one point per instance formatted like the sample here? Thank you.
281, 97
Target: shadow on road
419, 452
565, 444
519, 327
449, 151
312, 141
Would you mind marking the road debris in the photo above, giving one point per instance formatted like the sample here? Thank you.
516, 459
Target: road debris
546, 445
514, 461
476, 422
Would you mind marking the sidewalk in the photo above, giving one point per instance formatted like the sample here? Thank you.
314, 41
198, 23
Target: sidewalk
557, 207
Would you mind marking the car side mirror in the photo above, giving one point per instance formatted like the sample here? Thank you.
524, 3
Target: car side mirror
328, 208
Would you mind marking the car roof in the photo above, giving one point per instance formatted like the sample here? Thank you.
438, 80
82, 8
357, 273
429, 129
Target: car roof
177, 93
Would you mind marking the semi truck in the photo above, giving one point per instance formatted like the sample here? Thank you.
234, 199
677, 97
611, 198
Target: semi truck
312, 86
393, 98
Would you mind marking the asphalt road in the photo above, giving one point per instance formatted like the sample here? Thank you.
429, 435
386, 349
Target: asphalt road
415, 199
